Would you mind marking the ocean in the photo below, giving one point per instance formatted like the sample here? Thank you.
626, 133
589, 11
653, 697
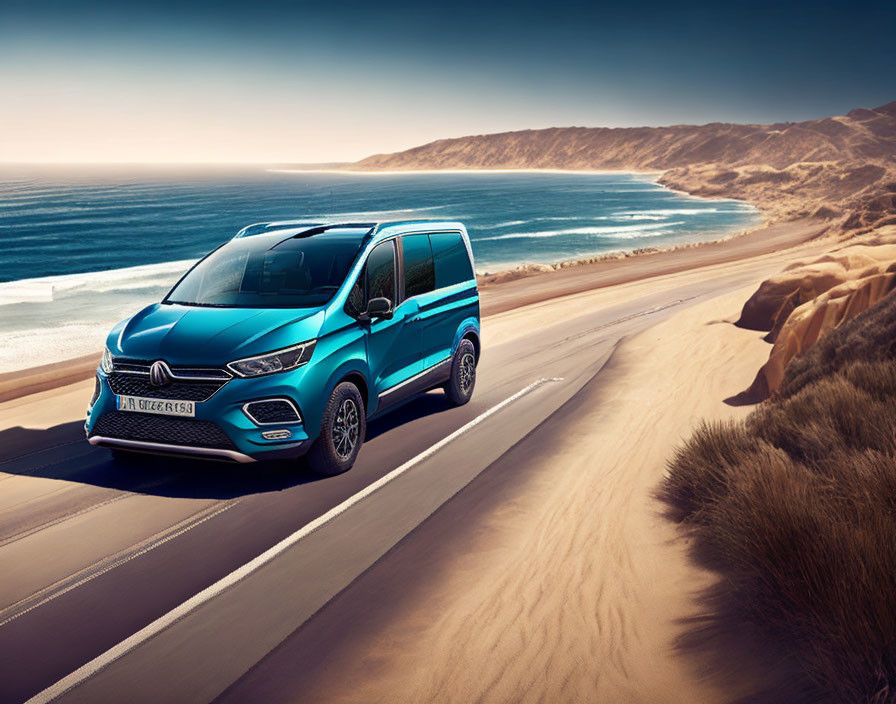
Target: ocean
81, 248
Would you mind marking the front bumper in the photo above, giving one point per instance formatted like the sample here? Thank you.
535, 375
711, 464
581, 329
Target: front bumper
220, 429
163, 449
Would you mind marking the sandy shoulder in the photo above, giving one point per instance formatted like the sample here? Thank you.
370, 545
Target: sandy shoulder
570, 587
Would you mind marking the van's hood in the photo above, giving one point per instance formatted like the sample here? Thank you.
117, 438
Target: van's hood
184, 335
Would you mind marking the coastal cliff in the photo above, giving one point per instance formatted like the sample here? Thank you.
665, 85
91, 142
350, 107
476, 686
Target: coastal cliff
841, 169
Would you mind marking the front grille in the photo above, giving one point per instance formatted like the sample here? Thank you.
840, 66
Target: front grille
170, 431
141, 366
272, 411
138, 385
130, 377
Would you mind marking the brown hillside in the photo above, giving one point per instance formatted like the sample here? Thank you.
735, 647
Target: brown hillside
842, 169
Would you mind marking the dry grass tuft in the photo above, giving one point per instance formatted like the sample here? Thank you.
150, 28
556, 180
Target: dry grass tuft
868, 337
795, 509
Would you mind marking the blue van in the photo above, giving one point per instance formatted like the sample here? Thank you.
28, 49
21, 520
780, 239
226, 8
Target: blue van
287, 339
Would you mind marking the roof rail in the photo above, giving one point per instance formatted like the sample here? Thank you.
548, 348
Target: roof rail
259, 227
307, 228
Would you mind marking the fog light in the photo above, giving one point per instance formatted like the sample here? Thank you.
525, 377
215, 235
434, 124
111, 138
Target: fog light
276, 434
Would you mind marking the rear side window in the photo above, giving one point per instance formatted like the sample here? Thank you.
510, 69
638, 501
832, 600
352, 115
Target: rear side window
419, 273
452, 262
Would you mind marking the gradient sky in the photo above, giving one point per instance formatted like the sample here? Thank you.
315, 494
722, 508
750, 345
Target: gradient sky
296, 82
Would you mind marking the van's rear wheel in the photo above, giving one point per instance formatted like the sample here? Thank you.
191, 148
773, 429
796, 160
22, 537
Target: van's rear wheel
342, 432
460, 386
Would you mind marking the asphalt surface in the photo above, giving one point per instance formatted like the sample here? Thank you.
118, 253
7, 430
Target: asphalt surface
91, 551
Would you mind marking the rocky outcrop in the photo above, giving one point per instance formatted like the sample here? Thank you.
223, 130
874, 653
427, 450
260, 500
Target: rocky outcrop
807, 301
770, 307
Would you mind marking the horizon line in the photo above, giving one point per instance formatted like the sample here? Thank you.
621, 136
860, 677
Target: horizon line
133, 162
275, 163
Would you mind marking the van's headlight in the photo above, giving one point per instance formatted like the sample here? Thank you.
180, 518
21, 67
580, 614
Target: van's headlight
106, 361
279, 361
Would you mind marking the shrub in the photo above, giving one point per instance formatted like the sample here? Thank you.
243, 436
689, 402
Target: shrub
795, 509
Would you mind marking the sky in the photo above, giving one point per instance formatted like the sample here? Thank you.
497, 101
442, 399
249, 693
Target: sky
293, 82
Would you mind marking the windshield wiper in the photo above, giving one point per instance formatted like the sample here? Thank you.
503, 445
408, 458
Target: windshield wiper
201, 305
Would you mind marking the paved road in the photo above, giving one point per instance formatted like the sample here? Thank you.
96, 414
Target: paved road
92, 552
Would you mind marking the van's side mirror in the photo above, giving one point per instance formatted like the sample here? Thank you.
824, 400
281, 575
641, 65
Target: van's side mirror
377, 308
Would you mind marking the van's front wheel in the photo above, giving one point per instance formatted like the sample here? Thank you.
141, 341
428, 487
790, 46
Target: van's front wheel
459, 388
342, 432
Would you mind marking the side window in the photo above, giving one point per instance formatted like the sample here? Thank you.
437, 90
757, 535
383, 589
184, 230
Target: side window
452, 262
380, 272
419, 273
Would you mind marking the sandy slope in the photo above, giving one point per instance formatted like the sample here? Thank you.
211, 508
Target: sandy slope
561, 583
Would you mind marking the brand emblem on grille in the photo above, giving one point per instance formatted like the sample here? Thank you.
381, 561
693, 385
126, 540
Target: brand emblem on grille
159, 374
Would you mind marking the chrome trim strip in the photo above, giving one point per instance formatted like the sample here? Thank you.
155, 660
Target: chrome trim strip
170, 449
278, 422
428, 370
178, 373
223, 374
282, 434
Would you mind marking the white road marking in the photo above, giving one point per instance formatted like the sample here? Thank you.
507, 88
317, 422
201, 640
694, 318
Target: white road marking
101, 568
117, 651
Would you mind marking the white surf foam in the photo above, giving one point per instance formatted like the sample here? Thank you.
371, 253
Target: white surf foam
507, 223
51, 288
25, 349
622, 231
730, 207
632, 216
401, 213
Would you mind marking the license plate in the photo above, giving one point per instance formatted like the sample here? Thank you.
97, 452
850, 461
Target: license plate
160, 406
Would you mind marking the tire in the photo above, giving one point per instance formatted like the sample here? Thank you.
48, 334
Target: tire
460, 385
342, 431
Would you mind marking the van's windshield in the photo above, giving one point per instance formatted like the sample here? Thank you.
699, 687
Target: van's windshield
266, 272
